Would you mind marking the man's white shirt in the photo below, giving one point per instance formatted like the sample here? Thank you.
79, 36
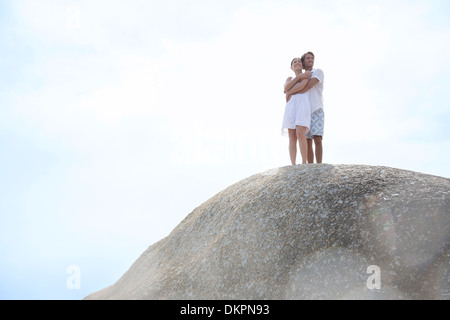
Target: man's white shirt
315, 93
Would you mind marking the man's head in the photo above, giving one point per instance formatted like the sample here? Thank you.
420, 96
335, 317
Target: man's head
308, 60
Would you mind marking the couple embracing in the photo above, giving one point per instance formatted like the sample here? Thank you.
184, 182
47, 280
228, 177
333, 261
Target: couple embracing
304, 117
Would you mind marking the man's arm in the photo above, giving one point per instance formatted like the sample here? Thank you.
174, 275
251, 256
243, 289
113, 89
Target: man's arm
289, 84
302, 89
301, 86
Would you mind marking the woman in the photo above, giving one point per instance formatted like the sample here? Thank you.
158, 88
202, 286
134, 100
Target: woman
297, 114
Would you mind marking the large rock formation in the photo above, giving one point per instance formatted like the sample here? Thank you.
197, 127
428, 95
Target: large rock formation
305, 232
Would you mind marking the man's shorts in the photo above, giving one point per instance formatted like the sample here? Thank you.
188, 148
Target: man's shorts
317, 124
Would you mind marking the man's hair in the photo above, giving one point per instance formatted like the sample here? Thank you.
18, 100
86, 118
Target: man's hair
304, 56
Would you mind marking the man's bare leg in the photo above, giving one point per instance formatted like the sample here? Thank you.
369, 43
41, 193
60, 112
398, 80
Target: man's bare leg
310, 151
318, 148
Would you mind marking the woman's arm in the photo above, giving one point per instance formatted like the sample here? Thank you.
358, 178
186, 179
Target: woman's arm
288, 80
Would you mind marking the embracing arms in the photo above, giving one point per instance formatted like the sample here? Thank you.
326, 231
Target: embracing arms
290, 82
304, 86
290, 87
311, 83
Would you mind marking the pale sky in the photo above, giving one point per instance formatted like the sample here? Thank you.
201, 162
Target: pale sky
118, 118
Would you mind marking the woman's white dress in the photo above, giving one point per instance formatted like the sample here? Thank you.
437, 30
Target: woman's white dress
297, 112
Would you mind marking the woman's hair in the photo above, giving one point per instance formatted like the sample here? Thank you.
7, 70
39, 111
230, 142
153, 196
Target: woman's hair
294, 59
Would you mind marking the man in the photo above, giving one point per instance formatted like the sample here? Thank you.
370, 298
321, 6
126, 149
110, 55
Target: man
315, 85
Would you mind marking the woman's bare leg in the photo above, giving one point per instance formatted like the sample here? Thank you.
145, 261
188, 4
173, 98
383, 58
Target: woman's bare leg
301, 137
292, 145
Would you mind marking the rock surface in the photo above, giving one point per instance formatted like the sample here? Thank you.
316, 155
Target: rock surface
305, 232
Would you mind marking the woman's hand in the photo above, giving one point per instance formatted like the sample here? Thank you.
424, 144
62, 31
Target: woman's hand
288, 97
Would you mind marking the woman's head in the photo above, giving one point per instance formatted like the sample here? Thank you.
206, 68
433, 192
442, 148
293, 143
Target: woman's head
296, 63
